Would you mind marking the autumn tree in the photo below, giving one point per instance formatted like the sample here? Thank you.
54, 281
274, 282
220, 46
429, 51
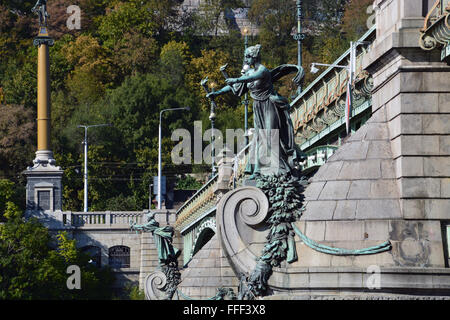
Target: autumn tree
208, 65
356, 18
92, 72
17, 140
174, 60
135, 53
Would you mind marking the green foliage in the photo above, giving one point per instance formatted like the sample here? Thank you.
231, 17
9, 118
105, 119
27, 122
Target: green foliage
31, 267
9, 200
132, 59
175, 58
188, 183
124, 17
66, 248
17, 136
276, 21
133, 293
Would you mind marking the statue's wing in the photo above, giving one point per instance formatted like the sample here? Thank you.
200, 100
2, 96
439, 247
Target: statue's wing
286, 69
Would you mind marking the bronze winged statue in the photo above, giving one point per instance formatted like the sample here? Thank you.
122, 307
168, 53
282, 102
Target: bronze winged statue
40, 8
270, 112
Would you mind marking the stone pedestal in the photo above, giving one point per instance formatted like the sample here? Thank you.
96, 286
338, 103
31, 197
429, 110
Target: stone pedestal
44, 185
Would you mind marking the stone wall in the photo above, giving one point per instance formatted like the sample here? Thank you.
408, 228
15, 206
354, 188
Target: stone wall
414, 88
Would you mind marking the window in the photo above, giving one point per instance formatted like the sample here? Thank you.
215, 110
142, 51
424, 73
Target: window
44, 200
95, 253
119, 257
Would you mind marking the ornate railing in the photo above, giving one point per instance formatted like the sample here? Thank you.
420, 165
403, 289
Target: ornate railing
198, 206
104, 219
439, 9
317, 157
436, 28
191, 238
322, 103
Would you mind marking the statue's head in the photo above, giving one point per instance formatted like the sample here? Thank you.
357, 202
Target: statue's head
150, 215
252, 55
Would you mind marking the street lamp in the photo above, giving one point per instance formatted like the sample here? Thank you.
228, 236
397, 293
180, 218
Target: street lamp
246, 100
212, 118
159, 151
85, 143
299, 36
315, 70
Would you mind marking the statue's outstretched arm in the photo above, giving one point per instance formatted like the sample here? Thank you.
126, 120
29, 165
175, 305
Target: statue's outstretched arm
213, 94
257, 75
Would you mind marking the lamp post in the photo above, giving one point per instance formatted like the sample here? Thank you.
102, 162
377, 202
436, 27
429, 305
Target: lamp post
351, 69
299, 36
85, 143
212, 118
246, 101
315, 70
159, 150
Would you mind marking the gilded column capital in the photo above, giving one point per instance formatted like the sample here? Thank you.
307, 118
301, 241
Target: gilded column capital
43, 40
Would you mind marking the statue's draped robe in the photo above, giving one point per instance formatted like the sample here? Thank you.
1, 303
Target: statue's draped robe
163, 240
270, 111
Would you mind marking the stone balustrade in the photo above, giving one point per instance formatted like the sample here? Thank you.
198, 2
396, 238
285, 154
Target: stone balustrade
103, 219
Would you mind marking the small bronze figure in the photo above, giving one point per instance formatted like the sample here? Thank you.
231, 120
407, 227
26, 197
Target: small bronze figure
40, 8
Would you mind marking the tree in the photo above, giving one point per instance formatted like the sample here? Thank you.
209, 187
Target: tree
135, 53
354, 21
208, 65
17, 139
149, 18
276, 20
174, 60
33, 265
19, 79
188, 182
9, 199
124, 17
92, 72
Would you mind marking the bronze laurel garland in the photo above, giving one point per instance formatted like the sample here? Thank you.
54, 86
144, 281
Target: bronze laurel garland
285, 195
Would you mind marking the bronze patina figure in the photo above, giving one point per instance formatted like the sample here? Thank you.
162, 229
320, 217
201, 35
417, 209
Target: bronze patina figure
167, 253
40, 8
270, 114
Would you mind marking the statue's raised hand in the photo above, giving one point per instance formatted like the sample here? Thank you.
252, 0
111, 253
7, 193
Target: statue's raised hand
212, 94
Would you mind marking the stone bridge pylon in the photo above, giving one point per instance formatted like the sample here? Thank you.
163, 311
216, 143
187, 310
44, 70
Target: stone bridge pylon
387, 188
